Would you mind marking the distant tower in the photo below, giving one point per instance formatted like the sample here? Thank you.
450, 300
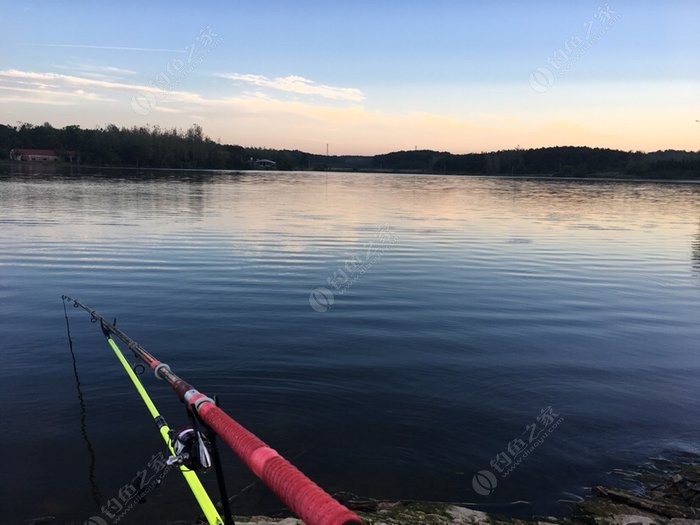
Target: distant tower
326, 149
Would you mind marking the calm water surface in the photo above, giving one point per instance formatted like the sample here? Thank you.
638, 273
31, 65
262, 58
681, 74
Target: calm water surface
461, 308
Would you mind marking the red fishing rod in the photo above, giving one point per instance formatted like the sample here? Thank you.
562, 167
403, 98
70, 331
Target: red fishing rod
306, 499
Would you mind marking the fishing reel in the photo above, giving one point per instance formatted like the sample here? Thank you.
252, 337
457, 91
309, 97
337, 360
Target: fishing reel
192, 449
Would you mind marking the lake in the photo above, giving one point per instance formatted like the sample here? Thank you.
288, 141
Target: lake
392, 335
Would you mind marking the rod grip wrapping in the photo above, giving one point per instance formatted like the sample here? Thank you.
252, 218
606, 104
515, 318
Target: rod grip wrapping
306, 499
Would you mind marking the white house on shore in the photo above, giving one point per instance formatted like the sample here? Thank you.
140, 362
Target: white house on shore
264, 164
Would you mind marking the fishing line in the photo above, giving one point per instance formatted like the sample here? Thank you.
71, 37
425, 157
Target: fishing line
94, 489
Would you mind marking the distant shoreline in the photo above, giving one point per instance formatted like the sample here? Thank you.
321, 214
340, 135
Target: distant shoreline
601, 177
156, 148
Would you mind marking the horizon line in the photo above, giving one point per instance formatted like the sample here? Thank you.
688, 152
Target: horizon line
221, 143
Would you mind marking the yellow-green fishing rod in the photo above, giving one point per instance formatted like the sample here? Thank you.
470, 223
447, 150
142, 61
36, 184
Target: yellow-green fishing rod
200, 494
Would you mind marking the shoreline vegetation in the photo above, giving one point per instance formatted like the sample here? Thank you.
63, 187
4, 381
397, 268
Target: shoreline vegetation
151, 147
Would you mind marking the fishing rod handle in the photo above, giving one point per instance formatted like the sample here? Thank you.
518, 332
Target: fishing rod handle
306, 499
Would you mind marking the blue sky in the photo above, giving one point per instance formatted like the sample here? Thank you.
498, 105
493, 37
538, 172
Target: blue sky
364, 77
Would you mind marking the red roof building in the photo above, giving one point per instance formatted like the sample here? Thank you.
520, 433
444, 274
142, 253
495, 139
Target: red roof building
44, 155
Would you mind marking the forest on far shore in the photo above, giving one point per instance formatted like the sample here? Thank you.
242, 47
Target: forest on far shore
155, 147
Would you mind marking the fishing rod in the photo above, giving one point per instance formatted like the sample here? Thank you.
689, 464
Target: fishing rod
303, 497
195, 485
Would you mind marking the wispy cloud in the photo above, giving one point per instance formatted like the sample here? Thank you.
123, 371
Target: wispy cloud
60, 83
49, 97
96, 69
298, 85
110, 48
165, 109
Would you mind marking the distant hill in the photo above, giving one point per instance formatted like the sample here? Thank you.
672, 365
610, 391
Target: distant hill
154, 147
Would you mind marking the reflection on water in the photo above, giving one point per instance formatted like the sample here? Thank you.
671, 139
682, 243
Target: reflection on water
695, 251
499, 298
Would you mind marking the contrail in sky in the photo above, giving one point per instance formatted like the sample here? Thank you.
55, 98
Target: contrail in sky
114, 48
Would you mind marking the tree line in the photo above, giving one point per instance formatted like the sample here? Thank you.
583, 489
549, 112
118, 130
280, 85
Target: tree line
155, 147
554, 161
